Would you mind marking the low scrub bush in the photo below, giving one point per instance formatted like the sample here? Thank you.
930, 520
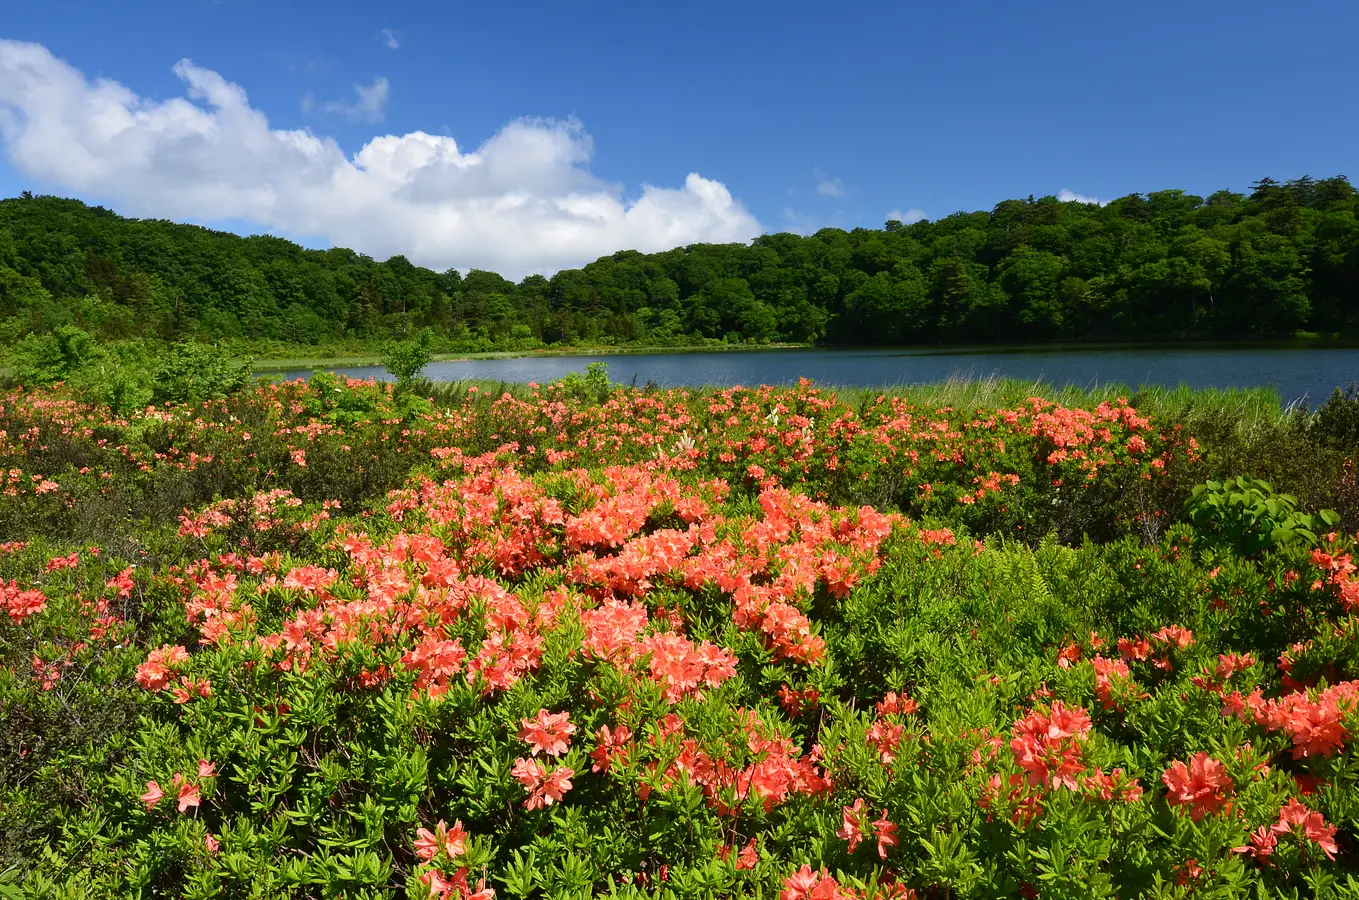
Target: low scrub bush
1336, 422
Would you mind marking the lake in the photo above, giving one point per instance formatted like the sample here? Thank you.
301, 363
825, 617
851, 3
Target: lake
1297, 373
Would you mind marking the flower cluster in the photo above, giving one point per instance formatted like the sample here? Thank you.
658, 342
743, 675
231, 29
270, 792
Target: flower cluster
187, 792
1203, 785
20, 603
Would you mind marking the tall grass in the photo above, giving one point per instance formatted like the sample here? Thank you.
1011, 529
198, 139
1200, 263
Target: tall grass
1250, 407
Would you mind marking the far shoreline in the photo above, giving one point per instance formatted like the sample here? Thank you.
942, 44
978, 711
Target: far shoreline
283, 364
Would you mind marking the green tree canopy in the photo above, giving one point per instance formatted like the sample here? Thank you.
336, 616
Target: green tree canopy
1168, 264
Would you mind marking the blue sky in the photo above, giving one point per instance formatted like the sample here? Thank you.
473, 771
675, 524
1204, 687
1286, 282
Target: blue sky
806, 114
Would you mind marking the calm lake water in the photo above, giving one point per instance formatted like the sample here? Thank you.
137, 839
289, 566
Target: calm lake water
1297, 373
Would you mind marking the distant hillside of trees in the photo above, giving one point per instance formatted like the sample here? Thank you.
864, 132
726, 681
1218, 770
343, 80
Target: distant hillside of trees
1279, 260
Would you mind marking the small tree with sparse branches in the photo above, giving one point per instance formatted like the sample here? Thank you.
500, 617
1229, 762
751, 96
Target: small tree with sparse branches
406, 359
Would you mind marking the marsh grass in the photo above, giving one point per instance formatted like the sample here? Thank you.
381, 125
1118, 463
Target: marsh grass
1249, 408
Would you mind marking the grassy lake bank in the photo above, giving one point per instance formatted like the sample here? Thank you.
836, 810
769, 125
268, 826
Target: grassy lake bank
372, 356
374, 359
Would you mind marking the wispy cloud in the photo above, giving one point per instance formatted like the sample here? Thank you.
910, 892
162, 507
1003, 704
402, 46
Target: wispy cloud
309, 65
1067, 196
831, 187
800, 223
388, 38
827, 186
370, 106
907, 217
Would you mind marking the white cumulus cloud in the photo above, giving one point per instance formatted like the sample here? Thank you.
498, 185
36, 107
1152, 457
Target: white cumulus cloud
388, 38
523, 202
370, 105
1067, 196
907, 217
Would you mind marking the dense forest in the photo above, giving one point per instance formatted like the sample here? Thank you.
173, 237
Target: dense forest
1281, 260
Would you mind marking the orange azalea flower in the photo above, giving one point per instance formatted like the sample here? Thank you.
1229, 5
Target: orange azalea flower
1111, 674
611, 745
451, 841
545, 788
557, 783
1131, 649
886, 832
154, 674
1203, 785
1296, 818
893, 704
437, 884
1181, 638
1261, 845
1229, 664
549, 733
188, 793
853, 819
153, 794
804, 884
1315, 725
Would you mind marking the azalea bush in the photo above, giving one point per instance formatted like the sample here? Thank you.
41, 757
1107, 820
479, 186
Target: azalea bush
762, 643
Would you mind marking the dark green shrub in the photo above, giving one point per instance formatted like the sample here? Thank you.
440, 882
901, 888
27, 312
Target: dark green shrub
1335, 424
48, 358
593, 384
192, 373
109, 381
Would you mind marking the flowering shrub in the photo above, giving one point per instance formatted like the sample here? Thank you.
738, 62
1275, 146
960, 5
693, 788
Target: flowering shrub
1028, 470
733, 643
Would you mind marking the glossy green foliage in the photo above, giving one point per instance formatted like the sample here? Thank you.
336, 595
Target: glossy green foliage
1245, 516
